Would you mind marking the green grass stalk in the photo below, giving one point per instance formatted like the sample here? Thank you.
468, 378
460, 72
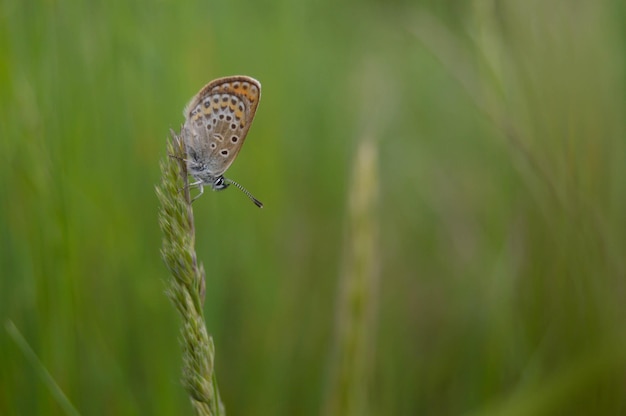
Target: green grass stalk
42, 371
357, 306
186, 288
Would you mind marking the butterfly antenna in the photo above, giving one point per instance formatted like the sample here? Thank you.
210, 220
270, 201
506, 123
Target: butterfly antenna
245, 191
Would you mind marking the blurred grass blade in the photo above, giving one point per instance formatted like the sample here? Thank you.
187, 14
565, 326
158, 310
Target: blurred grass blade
356, 312
186, 289
555, 391
44, 374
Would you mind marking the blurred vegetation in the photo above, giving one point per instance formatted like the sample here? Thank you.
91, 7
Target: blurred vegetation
500, 138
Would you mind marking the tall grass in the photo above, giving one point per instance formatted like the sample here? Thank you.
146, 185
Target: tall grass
351, 365
188, 282
501, 150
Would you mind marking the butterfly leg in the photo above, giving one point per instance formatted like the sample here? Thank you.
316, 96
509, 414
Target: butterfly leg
190, 185
177, 157
178, 143
199, 185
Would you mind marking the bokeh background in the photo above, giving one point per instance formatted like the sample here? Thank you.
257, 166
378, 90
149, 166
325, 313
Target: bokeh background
495, 207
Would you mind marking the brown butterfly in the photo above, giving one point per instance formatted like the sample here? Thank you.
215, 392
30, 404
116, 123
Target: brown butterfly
217, 120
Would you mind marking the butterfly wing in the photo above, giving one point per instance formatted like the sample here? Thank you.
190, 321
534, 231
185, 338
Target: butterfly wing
218, 118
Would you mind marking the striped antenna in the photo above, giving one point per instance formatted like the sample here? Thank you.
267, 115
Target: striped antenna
245, 191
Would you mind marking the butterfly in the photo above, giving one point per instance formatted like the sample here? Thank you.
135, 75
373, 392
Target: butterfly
217, 120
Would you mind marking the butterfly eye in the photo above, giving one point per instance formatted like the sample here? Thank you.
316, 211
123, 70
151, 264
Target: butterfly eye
219, 183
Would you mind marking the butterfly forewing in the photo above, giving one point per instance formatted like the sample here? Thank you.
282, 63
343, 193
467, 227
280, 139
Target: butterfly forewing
218, 118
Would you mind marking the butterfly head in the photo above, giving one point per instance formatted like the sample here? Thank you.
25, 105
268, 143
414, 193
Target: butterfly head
219, 183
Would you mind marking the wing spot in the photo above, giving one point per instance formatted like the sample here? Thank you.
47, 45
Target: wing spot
234, 139
224, 152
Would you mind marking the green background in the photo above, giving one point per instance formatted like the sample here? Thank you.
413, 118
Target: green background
501, 145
